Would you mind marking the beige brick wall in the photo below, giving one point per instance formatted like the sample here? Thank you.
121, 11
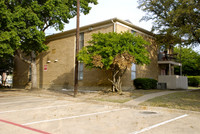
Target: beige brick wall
59, 74
126, 78
150, 70
95, 77
88, 35
120, 28
142, 71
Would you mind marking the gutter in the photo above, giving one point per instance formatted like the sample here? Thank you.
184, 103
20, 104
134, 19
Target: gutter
113, 25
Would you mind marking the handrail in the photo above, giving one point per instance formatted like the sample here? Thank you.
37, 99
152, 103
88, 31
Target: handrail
167, 57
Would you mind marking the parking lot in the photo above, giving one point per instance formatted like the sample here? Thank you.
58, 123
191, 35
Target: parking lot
22, 114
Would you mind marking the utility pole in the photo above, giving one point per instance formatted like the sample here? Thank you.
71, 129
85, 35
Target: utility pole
77, 49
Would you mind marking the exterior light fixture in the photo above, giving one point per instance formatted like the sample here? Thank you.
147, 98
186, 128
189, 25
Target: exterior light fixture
90, 29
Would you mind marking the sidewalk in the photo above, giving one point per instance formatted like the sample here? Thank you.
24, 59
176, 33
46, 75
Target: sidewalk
144, 98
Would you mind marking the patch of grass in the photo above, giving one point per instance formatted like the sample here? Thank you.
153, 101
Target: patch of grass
138, 93
180, 100
124, 97
114, 100
193, 87
113, 97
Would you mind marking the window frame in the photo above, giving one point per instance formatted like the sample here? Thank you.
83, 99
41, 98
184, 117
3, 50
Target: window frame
133, 71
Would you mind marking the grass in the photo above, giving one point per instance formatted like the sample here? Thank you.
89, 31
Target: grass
193, 87
140, 92
187, 100
124, 97
114, 100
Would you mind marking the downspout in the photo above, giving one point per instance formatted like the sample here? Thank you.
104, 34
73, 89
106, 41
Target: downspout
113, 26
113, 31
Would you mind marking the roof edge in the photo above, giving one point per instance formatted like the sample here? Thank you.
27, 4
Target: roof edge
73, 31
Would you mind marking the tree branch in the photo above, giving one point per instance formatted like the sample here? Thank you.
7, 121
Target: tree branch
44, 28
47, 25
19, 54
123, 72
194, 34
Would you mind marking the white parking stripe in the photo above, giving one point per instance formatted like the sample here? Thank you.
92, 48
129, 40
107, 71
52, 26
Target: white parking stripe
24, 101
157, 125
77, 116
27, 109
18, 97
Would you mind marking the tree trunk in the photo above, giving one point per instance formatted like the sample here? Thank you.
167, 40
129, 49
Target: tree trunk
31, 61
117, 85
116, 82
33, 71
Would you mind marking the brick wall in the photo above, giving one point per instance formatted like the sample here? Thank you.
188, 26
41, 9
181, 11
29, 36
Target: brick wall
60, 73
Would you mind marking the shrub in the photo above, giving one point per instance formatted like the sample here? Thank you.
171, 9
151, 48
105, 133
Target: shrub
193, 81
145, 83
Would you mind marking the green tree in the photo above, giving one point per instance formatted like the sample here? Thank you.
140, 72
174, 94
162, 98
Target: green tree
6, 63
23, 22
115, 52
174, 20
190, 61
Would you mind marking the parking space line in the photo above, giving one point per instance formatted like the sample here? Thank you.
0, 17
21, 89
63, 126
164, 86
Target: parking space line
25, 101
159, 124
76, 116
18, 97
27, 109
25, 127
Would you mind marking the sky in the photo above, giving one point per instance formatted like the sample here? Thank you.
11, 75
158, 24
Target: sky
107, 9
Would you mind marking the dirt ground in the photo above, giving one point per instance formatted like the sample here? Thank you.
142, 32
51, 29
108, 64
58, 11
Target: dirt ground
102, 95
82, 95
25, 112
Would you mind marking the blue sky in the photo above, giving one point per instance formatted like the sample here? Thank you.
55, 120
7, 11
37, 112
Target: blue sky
107, 9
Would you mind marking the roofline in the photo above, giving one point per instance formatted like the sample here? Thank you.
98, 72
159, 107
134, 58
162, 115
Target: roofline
133, 26
83, 28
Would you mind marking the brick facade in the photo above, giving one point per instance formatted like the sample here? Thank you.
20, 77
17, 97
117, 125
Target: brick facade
59, 72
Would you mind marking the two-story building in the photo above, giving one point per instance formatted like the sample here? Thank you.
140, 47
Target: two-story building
56, 66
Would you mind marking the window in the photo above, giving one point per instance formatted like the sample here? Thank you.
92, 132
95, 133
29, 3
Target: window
81, 41
80, 64
133, 71
80, 71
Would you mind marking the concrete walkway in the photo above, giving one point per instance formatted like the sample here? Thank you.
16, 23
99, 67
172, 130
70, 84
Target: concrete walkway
144, 98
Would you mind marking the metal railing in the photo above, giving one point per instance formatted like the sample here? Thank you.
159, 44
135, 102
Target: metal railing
167, 57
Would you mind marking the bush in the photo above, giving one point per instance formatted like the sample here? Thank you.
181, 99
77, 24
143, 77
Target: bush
193, 81
145, 83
